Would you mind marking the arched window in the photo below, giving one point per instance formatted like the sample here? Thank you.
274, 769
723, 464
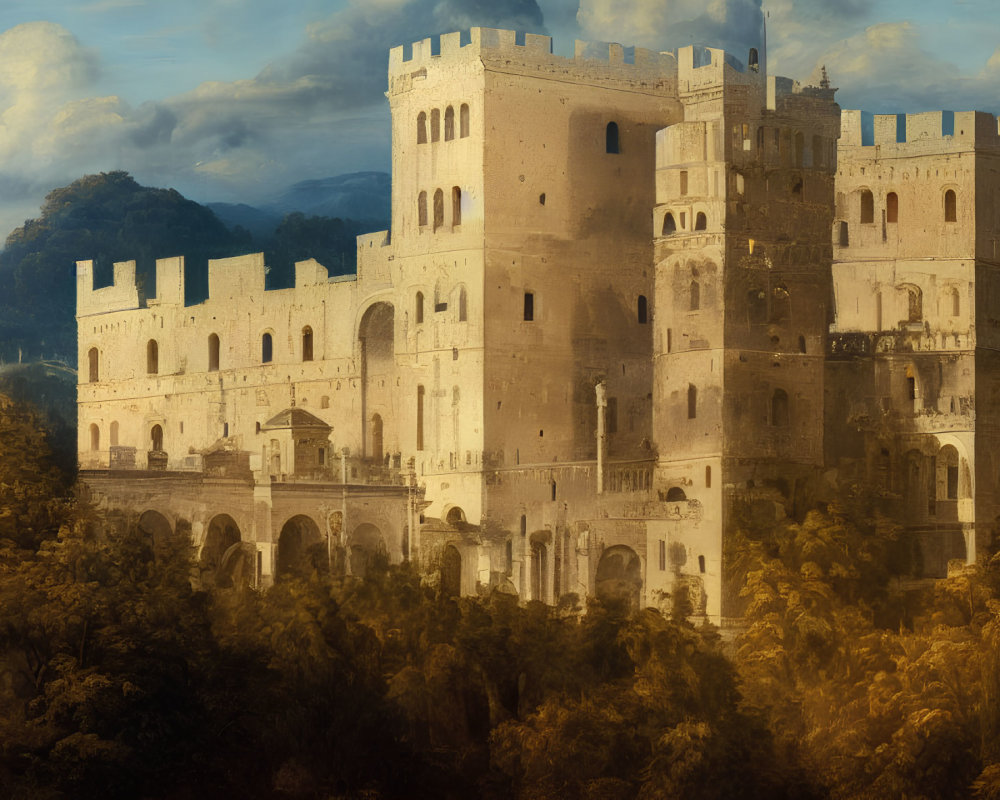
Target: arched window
695, 303
113, 438
701, 221
93, 360
950, 206
780, 303
463, 125
307, 343
753, 61
418, 308
891, 207
867, 206
213, 353
669, 226
422, 209
435, 125
456, 206
692, 401
611, 138
420, 418
156, 438
915, 304
844, 234
802, 344
708, 477
95, 437
779, 408
675, 494
438, 209
956, 305
152, 357
421, 128
449, 124
641, 311
463, 305
266, 349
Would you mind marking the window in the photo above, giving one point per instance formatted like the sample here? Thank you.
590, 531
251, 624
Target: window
950, 206
321, 455
952, 480
955, 302
95, 437
438, 209
422, 209
418, 308
911, 384
524, 525
421, 128
266, 349
307, 343
152, 357
802, 344
213, 353
463, 305
701, 221
509, 557
760, 140
553, 490
675, 494
684, 182
156, 437
611, 138
878, 311
449, 124
529, 306
225, 430
420, 418
867, 206
779, 408
692, 401
669, 226
663, 555
708, 477
114, 434
844, 235
695, 299
891, 207
611, 416
435, 125
915, 304
701, 564
464, 120
641, 310
456, 206
93, 361
753, 60
670, 340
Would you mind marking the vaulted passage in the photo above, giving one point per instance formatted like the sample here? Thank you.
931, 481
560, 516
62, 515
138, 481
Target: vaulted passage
619, 575
225, 562
301, 549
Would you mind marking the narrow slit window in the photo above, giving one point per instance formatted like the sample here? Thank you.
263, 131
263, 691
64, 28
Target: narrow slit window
692, 401
422, 128
611, 138
152, 357
669, 225
95, 437
435, 125
529, 306
213, 353
463, 305
307, 344
449, 124
950, 206
456, 206
464, 120
420, 418
438, 209
418, 308
266, 349
891, 207
422, 209
641, 310
93, 360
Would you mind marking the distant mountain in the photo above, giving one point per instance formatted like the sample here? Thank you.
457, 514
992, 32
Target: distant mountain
356, 196
259, 223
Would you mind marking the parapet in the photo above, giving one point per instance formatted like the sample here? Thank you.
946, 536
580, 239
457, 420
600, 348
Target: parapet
958, 129
310, 273
497, 43
237, 278
122, 295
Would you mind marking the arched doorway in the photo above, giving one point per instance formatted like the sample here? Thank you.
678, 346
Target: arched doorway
376, 340
155, 528
301, 549
451, 572
223, 561
366, 549
540, 566
619, 575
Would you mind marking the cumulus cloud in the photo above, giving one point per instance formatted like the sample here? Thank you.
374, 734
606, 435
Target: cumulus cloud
734, 25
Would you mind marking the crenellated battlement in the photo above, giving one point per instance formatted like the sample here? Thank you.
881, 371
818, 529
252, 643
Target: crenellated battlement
493, 43
915, 132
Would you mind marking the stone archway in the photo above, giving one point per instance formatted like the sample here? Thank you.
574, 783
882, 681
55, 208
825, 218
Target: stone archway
223, 559
379, 404
619, 575
301, 549
155, 528
366, 547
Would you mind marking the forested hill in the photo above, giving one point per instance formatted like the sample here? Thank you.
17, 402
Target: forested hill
109, 217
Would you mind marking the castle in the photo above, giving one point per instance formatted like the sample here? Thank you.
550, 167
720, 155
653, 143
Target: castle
627, 297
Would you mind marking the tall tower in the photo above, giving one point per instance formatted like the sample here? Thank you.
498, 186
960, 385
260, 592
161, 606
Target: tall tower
742, 254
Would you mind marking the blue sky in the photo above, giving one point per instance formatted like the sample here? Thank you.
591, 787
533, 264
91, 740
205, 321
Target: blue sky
233, 100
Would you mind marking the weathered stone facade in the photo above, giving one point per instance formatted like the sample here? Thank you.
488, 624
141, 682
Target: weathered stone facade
524, 386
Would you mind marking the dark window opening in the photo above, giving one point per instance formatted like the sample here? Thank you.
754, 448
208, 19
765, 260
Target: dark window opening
307, 344
780, 303
95, 437
541, 199
952, 482
463, 305
93, 360
225, 429
156, 437
449, 124
420, 418
456, 206
844, 235
152, 357
950, 206
641, 310
675, 494
891, 207
266, 349
708, 477
663, 555
692, 401
611, 415
421, 128
438, 209
529, 307
754, 63
670, 340
509, 557
464, 121
524, 525
611, 138
422, 209
553, 490
911, 387
701, 564
701, 221
867, 206
435, 125
802, 344
955, 303
213, 353
418, 308
669, 226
